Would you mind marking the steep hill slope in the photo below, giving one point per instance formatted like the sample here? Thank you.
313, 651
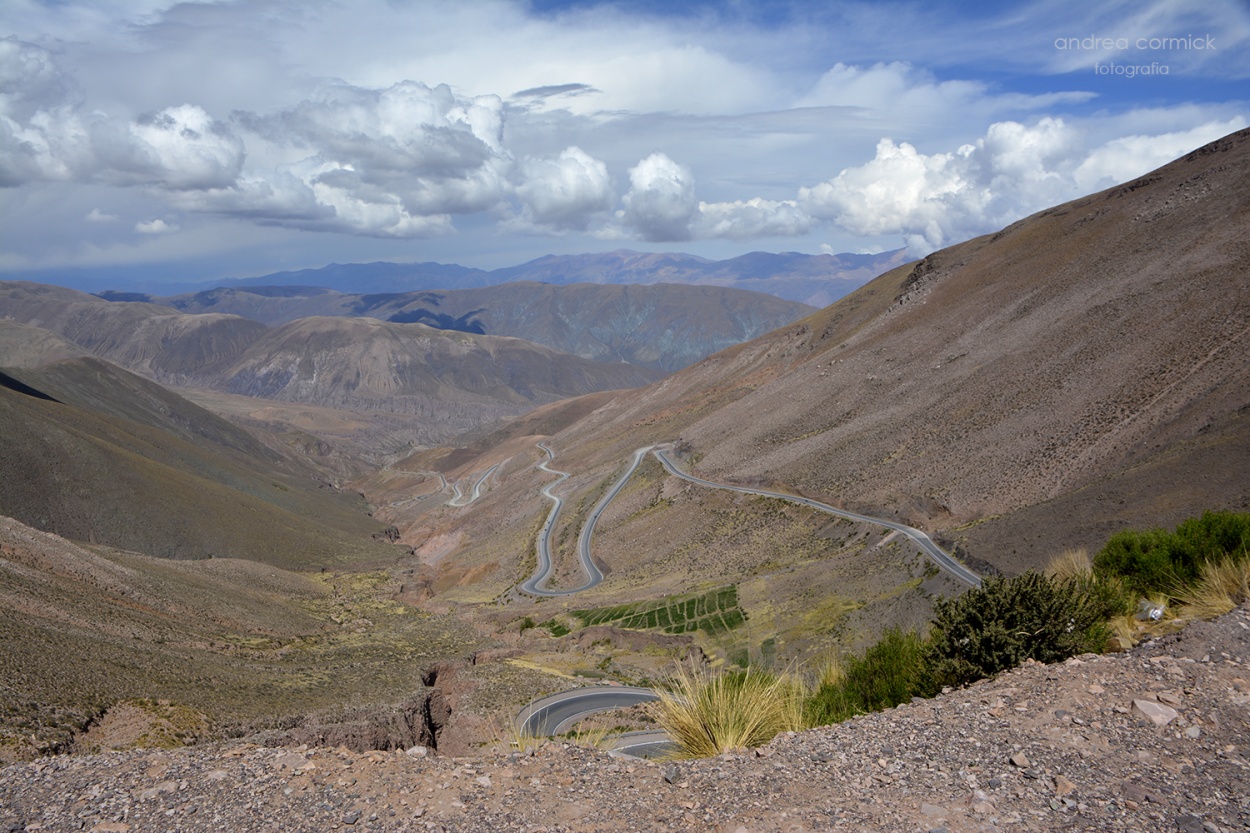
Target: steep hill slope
97, 454
660, 326
1106, 336
230, 641
1085, 369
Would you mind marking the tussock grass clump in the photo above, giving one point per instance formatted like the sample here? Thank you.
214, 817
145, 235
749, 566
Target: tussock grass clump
709, 715
1221, 586
1070, 564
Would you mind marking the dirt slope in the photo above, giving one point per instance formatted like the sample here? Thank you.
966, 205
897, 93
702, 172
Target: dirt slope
1065, 747
97, 454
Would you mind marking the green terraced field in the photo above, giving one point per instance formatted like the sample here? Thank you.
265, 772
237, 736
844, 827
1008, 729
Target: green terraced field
714, 612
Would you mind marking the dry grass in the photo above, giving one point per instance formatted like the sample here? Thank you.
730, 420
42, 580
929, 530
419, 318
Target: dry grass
830, 672
709, 715
1071, 564
1222, 585
505, 736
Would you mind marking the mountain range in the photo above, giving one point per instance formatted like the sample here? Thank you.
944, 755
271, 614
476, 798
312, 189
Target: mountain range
658, 326
1082, 371
810, 279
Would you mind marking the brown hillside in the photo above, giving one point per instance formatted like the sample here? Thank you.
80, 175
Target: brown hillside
156, 341
449, 379
114, 459
1106, 336
228, 640
1082, 371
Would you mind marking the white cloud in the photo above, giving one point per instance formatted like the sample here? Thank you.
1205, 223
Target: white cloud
180, 148
95, 215
394, 162
661, 203
567, 192
895, 85
748, 219
396, 120
933, 200
1122, 159
44, 135
157, 226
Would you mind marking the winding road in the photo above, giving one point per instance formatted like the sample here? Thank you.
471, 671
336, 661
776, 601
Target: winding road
938, 555
459, 499
558, 712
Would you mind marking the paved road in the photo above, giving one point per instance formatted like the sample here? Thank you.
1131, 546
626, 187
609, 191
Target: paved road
543, 547
653, 744
557, 713
939, 555
460, 500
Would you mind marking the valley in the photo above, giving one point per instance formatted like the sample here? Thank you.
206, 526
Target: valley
311, 517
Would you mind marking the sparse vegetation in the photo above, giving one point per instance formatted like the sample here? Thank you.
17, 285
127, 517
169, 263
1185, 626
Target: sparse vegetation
1156, 560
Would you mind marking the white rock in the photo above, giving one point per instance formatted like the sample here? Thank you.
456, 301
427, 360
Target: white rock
1156, 713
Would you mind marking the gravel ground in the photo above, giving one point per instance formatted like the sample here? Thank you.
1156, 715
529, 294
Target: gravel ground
1080, 745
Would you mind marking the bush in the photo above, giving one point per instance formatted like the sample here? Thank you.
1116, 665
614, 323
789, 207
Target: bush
891, 672
1007, 620
1158, 561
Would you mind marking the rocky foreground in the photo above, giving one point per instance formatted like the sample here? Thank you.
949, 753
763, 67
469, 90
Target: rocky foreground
1157, 739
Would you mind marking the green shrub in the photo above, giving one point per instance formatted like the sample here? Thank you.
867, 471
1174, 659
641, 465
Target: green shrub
893, 671
1158, 561
555, 627
1007, 620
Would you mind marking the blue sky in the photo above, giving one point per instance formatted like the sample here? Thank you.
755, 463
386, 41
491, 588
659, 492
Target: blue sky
147, 141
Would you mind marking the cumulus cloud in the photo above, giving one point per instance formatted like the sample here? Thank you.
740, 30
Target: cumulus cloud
181, 148
393, 163
567, 192
95, 215
29, 79
157, 226
747, 219
44, 135
41, 135
660, 204
933, 200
